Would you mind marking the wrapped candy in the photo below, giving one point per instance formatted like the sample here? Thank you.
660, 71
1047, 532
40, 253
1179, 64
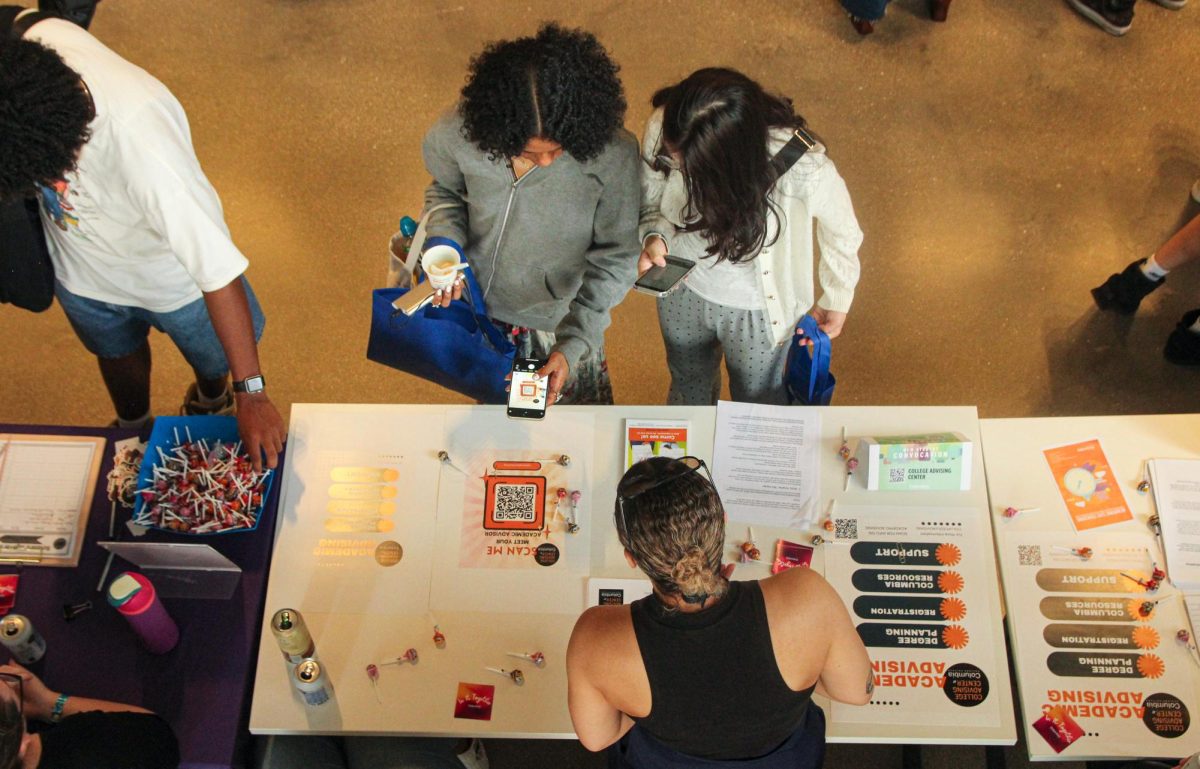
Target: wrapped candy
408, 656
537, 658
122, 479
373, 674
201, 489
572, 523
515, 674
1149, 584
750, 551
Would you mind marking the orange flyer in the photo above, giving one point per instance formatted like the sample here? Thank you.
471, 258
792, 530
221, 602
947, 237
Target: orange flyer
1086, 482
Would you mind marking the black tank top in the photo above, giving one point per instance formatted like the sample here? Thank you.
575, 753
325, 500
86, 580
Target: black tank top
716, 690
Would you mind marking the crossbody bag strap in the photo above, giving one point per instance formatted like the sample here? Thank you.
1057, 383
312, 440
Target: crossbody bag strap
796, 147
15, 28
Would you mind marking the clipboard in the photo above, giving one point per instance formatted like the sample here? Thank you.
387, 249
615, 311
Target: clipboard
47, 485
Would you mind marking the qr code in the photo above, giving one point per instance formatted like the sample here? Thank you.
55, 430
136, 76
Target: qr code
896, 474
845, 528
1029, 555
515, 502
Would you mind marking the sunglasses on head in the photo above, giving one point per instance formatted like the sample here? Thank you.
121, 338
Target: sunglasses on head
680, 468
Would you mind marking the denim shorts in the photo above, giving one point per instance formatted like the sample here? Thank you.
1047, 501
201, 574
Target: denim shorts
116, 330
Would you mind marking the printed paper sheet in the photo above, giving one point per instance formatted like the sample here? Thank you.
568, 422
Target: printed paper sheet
1095, 646
919, 590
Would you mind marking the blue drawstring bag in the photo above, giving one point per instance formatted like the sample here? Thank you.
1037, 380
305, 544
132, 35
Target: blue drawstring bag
806, 376
457, 347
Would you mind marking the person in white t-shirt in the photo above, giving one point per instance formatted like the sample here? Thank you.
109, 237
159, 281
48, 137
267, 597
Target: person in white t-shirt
711, 195
135, 230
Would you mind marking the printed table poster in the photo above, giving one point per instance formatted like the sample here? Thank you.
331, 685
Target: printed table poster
1086, 483
518, 510
922, 594
1100, 667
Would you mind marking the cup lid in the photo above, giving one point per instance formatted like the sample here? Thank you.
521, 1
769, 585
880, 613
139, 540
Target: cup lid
123, 589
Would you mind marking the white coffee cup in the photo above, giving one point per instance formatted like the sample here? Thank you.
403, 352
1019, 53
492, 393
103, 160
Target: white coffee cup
440, 264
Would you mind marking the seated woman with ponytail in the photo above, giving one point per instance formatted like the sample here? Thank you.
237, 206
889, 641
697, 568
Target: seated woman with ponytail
705, 668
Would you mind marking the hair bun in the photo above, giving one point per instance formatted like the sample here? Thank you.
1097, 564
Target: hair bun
693, 576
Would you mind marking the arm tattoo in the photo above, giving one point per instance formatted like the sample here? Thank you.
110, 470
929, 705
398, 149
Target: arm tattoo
871, 683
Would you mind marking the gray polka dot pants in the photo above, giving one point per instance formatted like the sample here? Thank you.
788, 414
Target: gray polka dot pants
697, 333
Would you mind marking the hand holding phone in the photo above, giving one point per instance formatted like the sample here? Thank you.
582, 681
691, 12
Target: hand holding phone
528, 390
654, 254
660, 281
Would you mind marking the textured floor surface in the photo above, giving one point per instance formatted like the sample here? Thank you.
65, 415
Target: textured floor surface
1000, 165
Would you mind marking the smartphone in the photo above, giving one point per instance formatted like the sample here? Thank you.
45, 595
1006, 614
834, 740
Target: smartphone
527, 391
660, 281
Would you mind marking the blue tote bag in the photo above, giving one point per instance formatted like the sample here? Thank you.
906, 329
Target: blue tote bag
456, 347
807, 377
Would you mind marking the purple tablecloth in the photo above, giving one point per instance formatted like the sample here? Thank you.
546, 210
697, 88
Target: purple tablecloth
201, 687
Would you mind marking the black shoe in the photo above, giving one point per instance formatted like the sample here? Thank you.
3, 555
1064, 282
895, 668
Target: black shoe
78, 11
1113, 16
1124, 291
1183, 345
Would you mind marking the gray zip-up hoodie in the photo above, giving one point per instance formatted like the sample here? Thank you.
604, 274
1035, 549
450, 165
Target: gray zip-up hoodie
555, 250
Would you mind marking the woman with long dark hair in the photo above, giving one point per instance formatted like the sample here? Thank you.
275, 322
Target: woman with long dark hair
706, 668
713, 191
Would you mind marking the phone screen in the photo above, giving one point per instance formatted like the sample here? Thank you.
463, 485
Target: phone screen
527, 391
660, 279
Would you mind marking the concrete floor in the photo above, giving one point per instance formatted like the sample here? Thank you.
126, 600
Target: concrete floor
1001, 165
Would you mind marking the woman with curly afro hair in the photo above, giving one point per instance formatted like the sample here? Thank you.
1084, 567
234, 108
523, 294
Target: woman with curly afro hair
537, 182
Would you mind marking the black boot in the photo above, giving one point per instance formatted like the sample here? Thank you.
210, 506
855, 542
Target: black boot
1183, 345
1124, 291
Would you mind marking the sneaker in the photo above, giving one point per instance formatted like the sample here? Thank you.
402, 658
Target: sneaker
475, 757
193, 406
1174, 5
1183, 345
1113, 16
1125, 290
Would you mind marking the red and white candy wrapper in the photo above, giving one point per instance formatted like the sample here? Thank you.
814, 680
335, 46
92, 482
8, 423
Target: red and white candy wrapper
1058, 728
203, 488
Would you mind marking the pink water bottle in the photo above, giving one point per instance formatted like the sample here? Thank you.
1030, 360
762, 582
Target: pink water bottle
134, 596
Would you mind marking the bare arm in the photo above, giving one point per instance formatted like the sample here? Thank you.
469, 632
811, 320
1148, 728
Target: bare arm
847, 675
40, 699
259, 423
597, 723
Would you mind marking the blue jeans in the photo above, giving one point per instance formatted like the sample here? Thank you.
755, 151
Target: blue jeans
871, 10
116, 330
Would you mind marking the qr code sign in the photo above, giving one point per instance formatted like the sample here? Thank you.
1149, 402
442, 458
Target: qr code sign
845, 528
1029, 555
515, 502
896, 474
